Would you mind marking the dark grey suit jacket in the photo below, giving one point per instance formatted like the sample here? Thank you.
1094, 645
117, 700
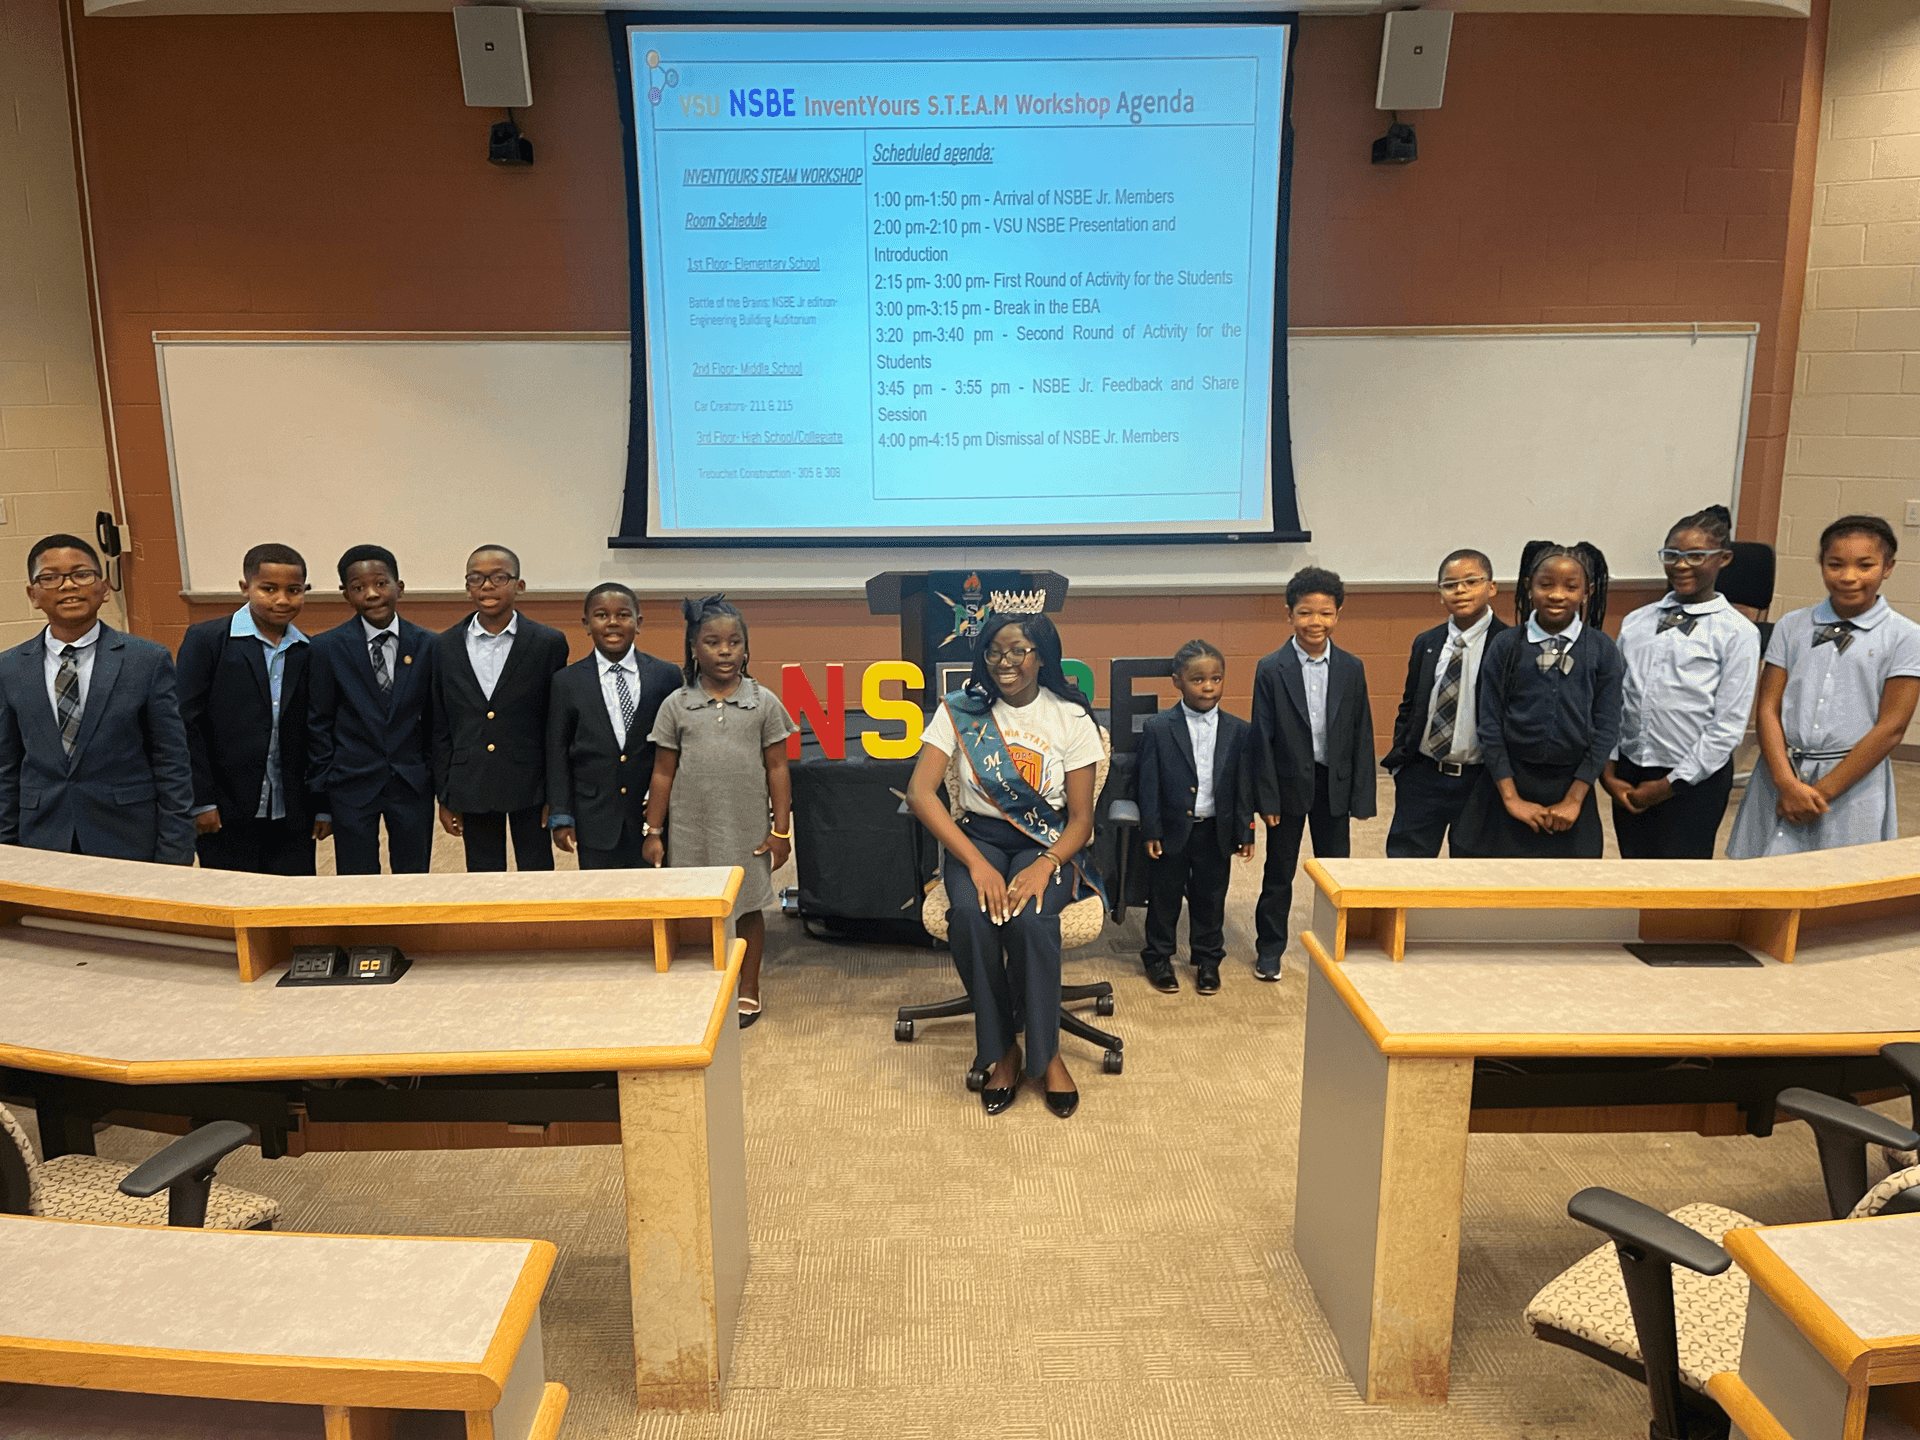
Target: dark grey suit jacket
127, 791
1283, 781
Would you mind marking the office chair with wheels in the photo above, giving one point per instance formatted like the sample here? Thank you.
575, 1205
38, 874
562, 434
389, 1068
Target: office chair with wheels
1080, 924
86, 1187
1661, 1303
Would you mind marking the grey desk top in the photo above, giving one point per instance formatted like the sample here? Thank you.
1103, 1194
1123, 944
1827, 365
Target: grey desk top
1860, 979
1864, 1271
190, 886
215, 1291
107, 1000
1669, 883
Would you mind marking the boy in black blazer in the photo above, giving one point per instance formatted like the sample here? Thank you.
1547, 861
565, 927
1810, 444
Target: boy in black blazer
492, 677
1435, 759
1314, 749
1196, 813
599, 759
370, 725
93, 757
244, 699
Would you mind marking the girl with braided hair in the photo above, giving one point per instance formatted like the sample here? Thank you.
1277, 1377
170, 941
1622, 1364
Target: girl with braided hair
1549, 703
721, 792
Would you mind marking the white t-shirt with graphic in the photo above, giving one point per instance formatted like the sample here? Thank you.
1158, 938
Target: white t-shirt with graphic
1047, 738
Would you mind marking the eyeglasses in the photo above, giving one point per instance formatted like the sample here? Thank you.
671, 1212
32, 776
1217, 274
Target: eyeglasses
1688, 557
1017, 655
1456, 587
77, 579
490, 582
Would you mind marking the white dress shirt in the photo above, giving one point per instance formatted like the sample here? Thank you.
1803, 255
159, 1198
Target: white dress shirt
1464, 746
393, 651
88, 645
1686, 696
1314, 670
628, 666
487, 653
1203, 728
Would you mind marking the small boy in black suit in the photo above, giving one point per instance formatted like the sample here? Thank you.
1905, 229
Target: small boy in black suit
370, 728
1435, 759
1314, 740
1196, 812
244, 697
599, 754
492, 676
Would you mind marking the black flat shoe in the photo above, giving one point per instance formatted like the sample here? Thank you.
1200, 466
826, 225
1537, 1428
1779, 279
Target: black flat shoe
995, 1101
1063, 1102
1207, 981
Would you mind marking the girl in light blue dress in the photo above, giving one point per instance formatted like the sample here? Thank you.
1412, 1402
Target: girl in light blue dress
1836, 695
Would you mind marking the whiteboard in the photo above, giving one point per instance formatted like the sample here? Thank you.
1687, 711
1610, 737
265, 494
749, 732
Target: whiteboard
1406, 443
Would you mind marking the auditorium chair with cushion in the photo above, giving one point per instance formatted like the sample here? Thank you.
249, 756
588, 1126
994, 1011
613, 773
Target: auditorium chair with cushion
1080, 924
1663, 1303
86, 1187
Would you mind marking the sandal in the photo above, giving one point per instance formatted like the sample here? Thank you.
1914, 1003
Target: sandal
749, 1011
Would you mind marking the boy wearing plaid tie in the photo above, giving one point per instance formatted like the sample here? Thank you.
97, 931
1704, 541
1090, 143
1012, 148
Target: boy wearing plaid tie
1836, 695
1435, 759
599, 718
370, 723
93, 755
1691, 660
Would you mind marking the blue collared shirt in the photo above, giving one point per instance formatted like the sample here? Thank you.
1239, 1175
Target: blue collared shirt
1314, 670
273, 798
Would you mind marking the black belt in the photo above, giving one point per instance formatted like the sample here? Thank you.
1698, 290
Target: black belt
1450, 767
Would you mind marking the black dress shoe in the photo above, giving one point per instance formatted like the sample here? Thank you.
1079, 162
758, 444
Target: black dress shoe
1207, 981
1160, 975
995, 1101
1063, 1102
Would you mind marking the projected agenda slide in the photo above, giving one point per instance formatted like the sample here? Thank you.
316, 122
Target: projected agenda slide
963, 281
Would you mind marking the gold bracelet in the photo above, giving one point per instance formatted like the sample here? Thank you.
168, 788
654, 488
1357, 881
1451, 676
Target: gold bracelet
787, 834
1058, 863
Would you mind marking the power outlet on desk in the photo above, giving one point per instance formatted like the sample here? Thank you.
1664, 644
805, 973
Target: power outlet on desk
338, 965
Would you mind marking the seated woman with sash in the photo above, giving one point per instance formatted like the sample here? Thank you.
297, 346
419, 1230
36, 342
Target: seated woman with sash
1028, 748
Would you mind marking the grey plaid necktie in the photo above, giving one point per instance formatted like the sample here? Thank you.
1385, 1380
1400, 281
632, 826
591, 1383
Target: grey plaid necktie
66, 697
1840, 633
625, 697
1446, 704
382, 673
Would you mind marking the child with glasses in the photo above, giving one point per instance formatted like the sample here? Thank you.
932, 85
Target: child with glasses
1836, 695
1435, 760
492, 676
93, 755
1692, 661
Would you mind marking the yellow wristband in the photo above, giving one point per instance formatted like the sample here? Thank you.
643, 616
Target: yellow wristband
786, 834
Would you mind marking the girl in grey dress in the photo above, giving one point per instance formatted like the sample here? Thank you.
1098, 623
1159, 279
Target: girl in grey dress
720, 791
1836, 695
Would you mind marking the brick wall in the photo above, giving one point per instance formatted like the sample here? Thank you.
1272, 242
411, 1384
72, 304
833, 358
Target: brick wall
53, 454
1855, 439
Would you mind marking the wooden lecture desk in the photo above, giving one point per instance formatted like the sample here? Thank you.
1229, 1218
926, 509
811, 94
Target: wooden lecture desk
530, 1016
1832, 1347
158, 1332
1448, 996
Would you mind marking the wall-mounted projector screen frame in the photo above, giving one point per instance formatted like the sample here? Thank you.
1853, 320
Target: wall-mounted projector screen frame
1267, 483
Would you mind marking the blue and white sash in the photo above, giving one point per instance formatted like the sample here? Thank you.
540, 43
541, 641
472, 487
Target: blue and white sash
1010, 792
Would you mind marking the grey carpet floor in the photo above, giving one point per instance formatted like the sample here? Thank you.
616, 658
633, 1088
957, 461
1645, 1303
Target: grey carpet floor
922, 1271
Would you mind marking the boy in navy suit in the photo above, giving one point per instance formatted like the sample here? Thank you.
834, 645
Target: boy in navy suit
244, 698
1196, 812
1435, 759
492, 674
93, 757
1314, 744
369, 750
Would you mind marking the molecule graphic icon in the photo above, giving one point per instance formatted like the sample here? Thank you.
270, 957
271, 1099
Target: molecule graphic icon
659, 81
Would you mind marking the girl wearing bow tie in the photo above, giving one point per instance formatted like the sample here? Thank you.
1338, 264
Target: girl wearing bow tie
1838, 690
1549, 703
1692, 661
